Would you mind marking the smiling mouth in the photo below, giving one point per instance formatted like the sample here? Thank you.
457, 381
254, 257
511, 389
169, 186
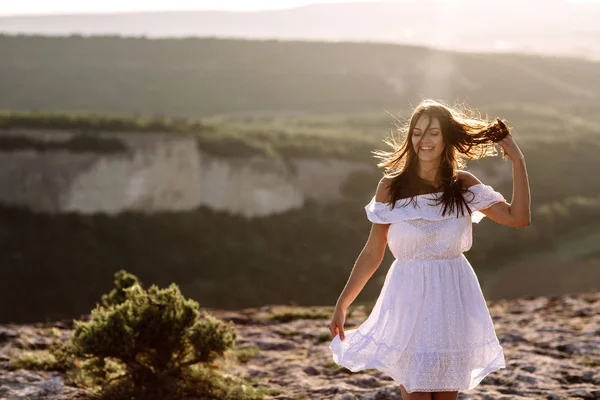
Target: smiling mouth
426, 148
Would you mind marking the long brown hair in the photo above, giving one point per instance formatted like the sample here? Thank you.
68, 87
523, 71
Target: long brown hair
467, 136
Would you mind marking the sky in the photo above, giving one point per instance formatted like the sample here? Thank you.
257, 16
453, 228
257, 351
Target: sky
29, 7
36, 7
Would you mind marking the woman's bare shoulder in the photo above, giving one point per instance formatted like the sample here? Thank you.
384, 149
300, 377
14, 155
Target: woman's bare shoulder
383, 193
467, 178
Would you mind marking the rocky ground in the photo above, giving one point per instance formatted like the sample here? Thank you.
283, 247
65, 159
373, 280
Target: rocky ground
551, 345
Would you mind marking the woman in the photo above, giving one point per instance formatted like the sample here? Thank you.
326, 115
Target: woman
430, 328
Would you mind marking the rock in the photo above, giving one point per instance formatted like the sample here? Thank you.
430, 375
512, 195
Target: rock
584, 312
393, 393
367, 382
493, 381
567, 348
33, 342
346, 396
512, 338
561, 380
588, 376
257, 373
527, 379
529, 368
539, 359
53, 385
37, 390
582, 394
574, 379
275, 345
240, 320
7, 335
327, 390
511, 391
310, 370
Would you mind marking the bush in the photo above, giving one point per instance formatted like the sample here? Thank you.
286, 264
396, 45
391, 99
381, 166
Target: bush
42, 360
79, 143
151, 344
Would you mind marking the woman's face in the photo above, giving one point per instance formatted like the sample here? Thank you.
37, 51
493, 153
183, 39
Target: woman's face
427, 139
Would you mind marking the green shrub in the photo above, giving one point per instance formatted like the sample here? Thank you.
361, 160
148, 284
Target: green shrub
143, 344
97, 122
288, 314
42, 360
77, 144
116, 296
246, 353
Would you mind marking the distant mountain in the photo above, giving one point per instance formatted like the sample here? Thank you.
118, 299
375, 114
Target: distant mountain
198, 77
552, 27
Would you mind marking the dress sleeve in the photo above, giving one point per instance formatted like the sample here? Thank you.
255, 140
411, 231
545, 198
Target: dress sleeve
377, 212
484, 196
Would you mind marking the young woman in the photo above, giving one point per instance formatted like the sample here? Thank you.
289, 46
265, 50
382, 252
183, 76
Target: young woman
430, 328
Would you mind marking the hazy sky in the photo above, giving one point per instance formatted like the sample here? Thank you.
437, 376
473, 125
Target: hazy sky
77, 6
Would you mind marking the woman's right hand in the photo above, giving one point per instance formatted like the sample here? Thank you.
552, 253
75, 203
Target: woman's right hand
337, 323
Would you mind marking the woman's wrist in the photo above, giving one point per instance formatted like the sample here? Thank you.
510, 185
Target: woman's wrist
519, 158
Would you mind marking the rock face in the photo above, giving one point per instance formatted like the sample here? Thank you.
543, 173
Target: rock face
169, 172
162, 172
551, 345
156, 172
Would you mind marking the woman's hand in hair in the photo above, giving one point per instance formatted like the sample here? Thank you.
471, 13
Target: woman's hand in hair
509, 146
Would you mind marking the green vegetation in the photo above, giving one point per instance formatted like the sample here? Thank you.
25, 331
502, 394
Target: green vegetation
588, 361
293, 313
323, 337
42, 360
145, 344
187, 248
71, 255
198, 77
287, 253
243, 98
77, 143
277, 138
97, 122
246, 353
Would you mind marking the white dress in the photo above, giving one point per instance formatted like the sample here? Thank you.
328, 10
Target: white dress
430, 329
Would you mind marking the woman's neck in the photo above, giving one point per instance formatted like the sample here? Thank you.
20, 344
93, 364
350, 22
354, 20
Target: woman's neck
429, 172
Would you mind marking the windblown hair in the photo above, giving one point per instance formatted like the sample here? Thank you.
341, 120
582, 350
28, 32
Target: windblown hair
466, 135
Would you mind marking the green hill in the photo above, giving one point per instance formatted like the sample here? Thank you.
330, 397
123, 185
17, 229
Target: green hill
282, 100
198, 77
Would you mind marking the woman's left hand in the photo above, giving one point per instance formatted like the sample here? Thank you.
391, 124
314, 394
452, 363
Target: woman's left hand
510, 148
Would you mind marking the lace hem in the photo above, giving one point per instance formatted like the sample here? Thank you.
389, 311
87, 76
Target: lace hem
456, 369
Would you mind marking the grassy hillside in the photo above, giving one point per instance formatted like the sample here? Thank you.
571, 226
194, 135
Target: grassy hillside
199, 77
281, 100
227, 261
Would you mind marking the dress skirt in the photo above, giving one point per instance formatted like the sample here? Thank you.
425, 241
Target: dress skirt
429, 330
